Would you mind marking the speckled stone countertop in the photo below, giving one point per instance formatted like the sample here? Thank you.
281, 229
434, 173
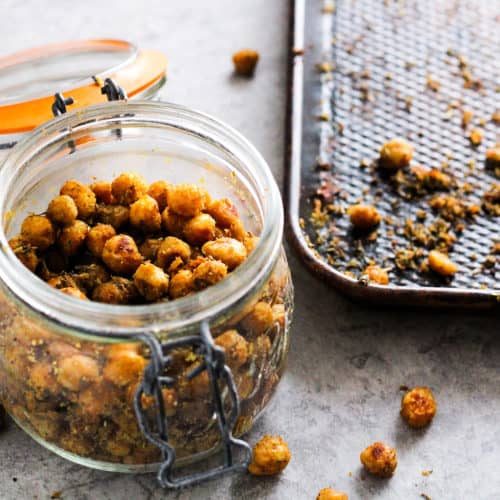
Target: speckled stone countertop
347, 361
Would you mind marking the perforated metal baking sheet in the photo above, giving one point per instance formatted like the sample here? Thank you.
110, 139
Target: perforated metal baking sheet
362, 73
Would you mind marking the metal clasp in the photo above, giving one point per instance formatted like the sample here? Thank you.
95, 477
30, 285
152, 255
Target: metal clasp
59, 107
153, 381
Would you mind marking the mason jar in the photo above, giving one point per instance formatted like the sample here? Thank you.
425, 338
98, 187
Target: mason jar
79, 376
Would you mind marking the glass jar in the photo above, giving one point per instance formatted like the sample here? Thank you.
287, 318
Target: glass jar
70, 369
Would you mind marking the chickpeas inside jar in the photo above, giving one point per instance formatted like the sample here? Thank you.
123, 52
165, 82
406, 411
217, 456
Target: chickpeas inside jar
111, 273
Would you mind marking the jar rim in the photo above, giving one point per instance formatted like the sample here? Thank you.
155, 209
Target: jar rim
91, 318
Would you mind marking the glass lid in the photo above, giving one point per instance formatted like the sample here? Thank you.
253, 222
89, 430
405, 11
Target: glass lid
30, 79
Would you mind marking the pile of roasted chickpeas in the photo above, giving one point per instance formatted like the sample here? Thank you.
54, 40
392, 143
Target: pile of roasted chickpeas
125, 242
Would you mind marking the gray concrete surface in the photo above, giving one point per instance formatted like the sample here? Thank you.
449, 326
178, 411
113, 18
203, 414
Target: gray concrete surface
341, 391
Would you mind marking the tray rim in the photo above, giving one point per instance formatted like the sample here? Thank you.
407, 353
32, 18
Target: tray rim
421, 296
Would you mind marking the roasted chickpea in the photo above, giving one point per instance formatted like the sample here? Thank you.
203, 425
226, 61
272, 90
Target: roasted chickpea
271, 455
62, 281
149, 248
83, 197
187, 199
116, 291
235, 348
125, 368
441, 264
159, 191
97, 237
24, 252
181, 284
493, 155
199, 229
259, 320
223, 211
43, 380
250, 243
331, 494
74, 292
145, 215
418, 407
395, 154
113, 215
128, 187
77, 370
121, 255
377, 275
103, 193
228, 250
209, 273
88, 276
38, 231
476, 136
363, 217
237, 230
170, 248
379, 459
436, 179
245, 61
72, 238
151, 282
173, 223
62, 210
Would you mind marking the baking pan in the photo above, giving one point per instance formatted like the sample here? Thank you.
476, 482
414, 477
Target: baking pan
361, 73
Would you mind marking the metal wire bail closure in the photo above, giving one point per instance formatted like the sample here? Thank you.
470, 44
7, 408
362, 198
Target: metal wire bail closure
151, 385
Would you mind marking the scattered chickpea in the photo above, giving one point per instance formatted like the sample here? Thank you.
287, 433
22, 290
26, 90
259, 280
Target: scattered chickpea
493, 155
441, 264
62, 210
187, 199
83, 197
145, 215
38, 231
245, 61
72, 238
128, 188
379, 459
418, 407
159, 191
331, 494
97, 237
377, 275
271, 455
170, 248
467, 115
103, 193
228, 250
209, 273
395, 154
363, 217
200, 229
121, 255
151, 282
476, 136
74, 292
181, 284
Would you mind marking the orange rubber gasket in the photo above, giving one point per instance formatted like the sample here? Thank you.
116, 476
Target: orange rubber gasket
144, 71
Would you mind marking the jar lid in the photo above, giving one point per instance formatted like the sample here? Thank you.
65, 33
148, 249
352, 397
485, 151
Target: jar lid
30, 79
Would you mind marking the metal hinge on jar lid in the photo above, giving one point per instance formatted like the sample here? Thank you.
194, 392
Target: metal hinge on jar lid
154, 380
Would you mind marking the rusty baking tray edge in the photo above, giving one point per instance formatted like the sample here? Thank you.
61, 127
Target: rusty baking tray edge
422, 296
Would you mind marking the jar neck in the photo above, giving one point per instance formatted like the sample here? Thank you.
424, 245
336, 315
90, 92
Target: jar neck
182, 314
